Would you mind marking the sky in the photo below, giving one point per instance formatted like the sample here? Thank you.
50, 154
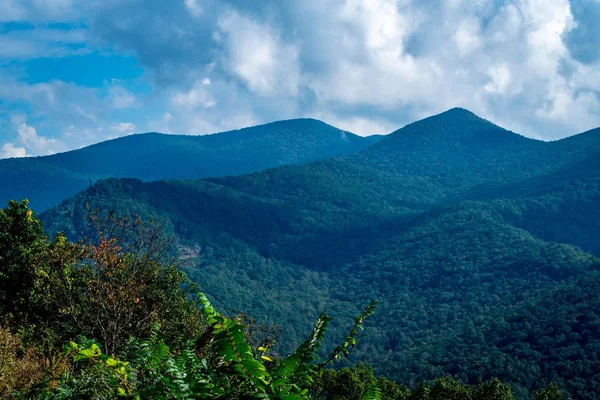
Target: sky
77, 72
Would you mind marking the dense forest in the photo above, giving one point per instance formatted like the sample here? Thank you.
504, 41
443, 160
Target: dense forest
114, 316
48, 180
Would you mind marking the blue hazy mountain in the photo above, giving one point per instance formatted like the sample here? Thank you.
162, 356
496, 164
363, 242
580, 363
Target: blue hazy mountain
46, 181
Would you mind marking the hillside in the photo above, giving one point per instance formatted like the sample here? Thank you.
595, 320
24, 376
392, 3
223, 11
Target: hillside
46, 181
453, 223
117, 318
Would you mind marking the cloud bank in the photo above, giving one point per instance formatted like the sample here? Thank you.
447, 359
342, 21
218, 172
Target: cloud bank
532, 66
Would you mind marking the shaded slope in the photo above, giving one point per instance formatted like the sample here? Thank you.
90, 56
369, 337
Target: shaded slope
42, 184
155, 156
566, 212
552, 338
561, 206
452, 269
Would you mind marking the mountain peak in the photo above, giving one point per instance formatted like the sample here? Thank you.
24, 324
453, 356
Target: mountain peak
454, 116
454, 131
458, 111
457, 124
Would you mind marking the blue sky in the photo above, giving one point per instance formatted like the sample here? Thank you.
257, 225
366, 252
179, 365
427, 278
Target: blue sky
76, 72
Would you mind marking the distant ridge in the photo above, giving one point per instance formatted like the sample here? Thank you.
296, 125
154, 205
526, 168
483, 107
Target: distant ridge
48, 180
456, 145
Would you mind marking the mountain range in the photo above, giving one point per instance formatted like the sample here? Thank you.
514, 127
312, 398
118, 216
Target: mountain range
48, 180
480, 244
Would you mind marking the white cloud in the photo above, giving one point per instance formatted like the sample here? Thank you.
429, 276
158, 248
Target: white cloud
40, 10
75, 116
357, 125
193, 7
35, 144
500, 78
383, 74
467, 36
124, 127
255, 54
120, 98
198, 96
9, 150
161, 125
28, 142
81, 111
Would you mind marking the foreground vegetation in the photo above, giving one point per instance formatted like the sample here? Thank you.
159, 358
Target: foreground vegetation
114, 317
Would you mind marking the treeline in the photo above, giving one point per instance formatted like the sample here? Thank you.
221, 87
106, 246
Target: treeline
114, 316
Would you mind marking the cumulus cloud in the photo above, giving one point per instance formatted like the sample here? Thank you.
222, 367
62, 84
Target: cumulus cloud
198, 96
124, 127
255, 55
58, 115
28, 142
357, 125
162, 124
193, 7
9, 150
34, 143
513, 61
365, 66
119, 97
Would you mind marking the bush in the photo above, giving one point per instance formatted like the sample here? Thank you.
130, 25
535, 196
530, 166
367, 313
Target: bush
19, 369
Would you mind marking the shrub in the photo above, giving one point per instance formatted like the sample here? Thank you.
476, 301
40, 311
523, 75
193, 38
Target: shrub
19, 369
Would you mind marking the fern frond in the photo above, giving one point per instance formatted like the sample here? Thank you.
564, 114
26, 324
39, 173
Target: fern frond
373, 393
231, 345
298, 369
350, 340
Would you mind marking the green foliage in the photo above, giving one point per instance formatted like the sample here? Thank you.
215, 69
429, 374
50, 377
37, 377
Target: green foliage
27, 263
21, 241
552, 392
50, 288
356, 383
449, 389
344, 348
94, 375
225, 367
360, 383
235, 353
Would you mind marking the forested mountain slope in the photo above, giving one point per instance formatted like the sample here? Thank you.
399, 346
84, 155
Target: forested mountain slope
457, 226
46, 181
